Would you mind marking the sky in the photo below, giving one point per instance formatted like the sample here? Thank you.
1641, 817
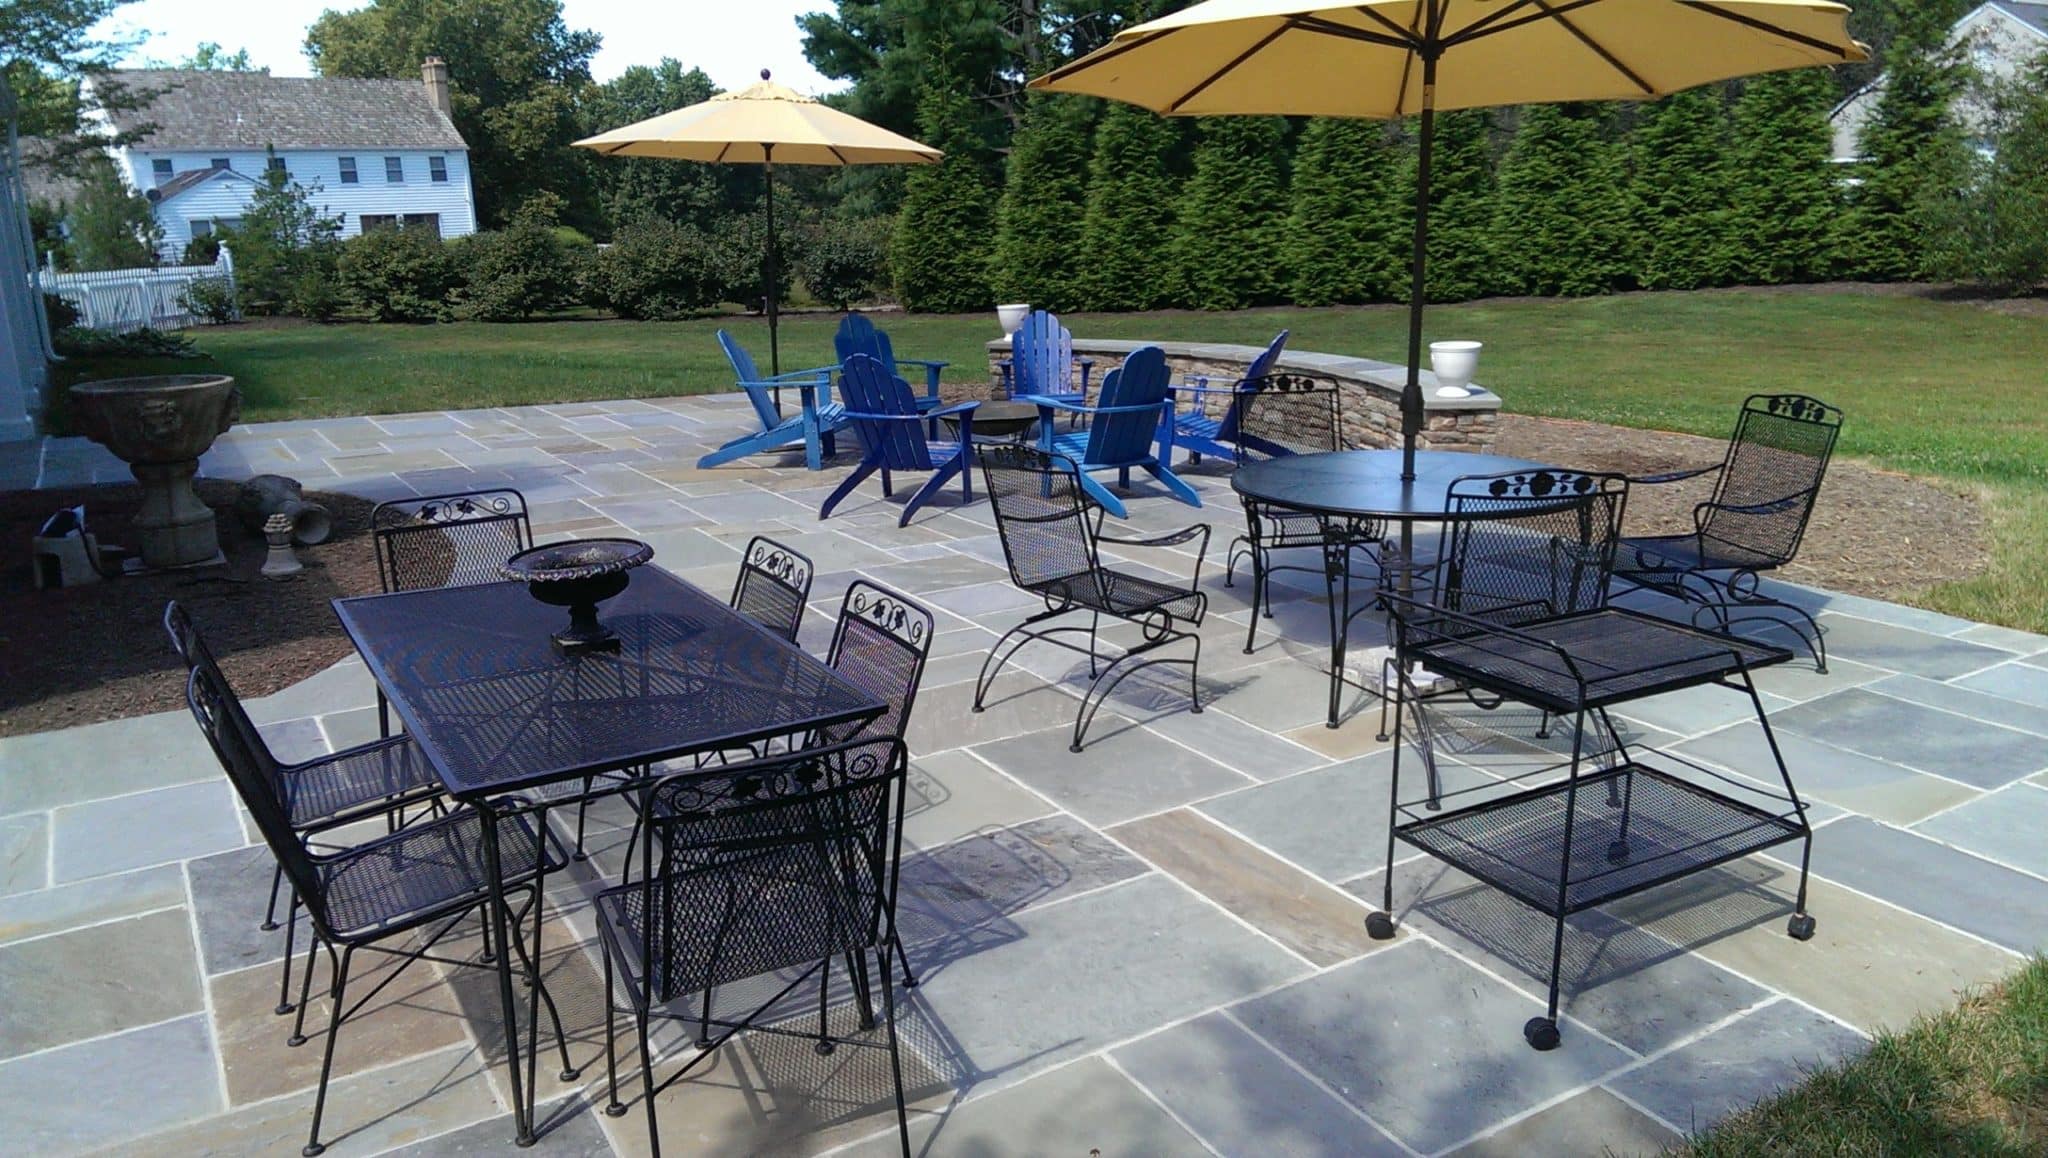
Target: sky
733, 41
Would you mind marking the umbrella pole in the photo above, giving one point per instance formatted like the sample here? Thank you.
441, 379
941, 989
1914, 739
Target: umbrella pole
1411, 392
768, 270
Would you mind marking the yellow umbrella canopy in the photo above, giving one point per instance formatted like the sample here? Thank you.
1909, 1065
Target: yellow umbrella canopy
763, 124
1395, 58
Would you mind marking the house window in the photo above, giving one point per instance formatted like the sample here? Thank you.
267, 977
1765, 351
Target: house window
429, 221
276, 165
437, 168
201, 229
217, 163
375, 221
160, 169
227, 224
394, 171
348, 170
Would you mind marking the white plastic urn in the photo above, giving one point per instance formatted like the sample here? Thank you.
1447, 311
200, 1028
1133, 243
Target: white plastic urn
1012, 316
1454, 364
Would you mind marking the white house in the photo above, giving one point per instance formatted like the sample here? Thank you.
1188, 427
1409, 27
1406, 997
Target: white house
373, 152
2003, 38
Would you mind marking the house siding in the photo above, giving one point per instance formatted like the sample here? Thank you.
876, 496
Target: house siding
2000, 45
320, 172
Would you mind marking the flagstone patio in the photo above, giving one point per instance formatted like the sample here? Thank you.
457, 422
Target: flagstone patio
1154, 947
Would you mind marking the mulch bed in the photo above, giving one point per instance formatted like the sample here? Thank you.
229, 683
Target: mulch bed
96, 652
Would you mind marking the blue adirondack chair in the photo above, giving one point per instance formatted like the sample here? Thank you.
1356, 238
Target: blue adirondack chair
818, 417
1199, 432
892, 433
1042, 361
1133, 412
858, 335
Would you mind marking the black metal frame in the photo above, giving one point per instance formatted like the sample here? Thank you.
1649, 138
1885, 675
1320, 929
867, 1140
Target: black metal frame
1519, 612
1271, 528
819, 825
1720, 563
456, 853
787, 573
1051, 550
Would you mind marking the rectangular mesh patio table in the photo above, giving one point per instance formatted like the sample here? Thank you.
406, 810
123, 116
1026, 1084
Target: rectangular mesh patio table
479, 685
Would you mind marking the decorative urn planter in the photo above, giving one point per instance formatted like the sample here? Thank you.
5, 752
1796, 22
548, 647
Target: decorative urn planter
579, 575
160, 426
1012, 316
1454, 364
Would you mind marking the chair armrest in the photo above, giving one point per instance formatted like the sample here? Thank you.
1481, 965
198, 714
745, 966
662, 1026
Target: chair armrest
925, 362
949, 411
1051, 401
1199, 531
1672, 476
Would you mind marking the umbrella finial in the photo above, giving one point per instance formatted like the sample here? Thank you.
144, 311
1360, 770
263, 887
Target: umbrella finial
764, 74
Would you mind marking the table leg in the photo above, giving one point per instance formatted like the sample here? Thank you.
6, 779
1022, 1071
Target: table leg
494, 874
1337, 580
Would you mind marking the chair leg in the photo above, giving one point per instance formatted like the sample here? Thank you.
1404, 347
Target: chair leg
860, 475
269, 924
313, 1147
647, 1084
291, 925
895, 1057
614, 1108
1173, 483
298, 1037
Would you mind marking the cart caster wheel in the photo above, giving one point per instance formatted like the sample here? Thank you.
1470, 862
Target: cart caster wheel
569, 1075
1541, 1034
615, 1110
1380, 926
1800, 927
824, 1048
704, 1043
1617, 853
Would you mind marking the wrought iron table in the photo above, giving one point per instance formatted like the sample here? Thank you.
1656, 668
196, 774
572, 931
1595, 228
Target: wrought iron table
1350, 487
499, 710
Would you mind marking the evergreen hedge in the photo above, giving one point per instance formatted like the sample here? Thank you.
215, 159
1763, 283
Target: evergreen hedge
1126, 228
1785, 189
1228, 224
940, 256
1348, 238
1685, 227
1045, 198
1560, 214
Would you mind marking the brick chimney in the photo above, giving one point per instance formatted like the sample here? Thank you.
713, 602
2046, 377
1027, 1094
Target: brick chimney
434, 71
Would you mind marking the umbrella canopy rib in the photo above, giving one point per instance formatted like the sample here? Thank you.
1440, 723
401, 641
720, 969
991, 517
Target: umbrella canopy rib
1226, 70
1766, 26
1597, 49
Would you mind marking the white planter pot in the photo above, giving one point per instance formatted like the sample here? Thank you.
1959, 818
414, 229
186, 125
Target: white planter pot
1454, 364
1012, 316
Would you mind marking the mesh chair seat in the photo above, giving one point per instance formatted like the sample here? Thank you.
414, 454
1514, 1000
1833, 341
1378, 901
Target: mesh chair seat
1654, 554
371, 778
432, 866
1124, 594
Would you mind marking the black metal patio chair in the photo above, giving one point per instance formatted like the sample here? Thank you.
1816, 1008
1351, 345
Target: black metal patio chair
1764, 494
1278, 415
1518, 611
1050, 543
773, 585
413, 886
769, 866
380, 778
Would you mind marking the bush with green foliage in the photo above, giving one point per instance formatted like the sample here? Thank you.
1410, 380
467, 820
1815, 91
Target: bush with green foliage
86, 342
1683, 225
1224, 251
212, 298
201, 251
737, 246
1045, 197
284, 244
1560, 222
1125, 231
654, 271
1348, 241
1785, 198
60, 312
940, 253
512, 274
846, 261
398, 275
1461, 209
1915, 159
111, 226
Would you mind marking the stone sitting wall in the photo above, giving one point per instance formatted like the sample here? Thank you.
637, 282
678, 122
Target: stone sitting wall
1370, 390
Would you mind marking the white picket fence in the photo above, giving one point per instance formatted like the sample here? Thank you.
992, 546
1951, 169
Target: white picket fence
129, 299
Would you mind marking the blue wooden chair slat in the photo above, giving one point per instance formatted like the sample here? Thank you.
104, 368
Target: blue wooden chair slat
1199, 432
858, 335
817, 418
891, 426
1042, 361
1134, 412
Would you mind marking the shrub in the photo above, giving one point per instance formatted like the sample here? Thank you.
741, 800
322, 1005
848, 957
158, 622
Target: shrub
283, 236
212, 298
315, 294
944, 234
1228, 222
398, 275
1045, 194
85, 342
847, 261
514, 273
62, 314
1125, 229
201, 251
654, 270
735, 249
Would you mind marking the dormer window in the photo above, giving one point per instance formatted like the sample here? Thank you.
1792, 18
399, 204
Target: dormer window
160, 169
437, 169
348, 171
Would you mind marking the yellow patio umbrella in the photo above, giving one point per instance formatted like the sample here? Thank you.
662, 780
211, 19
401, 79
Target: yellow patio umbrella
763, 124
1397, 58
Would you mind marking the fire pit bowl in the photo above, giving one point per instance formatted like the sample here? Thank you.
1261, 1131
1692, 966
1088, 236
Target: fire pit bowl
579, 575
160, 426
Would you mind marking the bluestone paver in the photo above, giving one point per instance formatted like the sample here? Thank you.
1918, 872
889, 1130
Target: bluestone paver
1739, 1064
1967, 892
2009, 826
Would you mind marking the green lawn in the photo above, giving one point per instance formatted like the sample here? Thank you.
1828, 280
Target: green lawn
1947, 389
1972, 1082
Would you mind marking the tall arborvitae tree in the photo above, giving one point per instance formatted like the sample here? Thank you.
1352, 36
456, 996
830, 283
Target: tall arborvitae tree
1914, 155
1560, 219
1037, 257
1998, 229
1231, 216
1125, 231
1347, 239
1461, 198
1784, 187
941, 249
1684, 227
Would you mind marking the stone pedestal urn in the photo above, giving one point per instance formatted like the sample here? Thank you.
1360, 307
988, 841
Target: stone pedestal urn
160, 426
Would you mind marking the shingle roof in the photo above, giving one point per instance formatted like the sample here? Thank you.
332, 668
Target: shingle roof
42, 180
2033, 15
250, 110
